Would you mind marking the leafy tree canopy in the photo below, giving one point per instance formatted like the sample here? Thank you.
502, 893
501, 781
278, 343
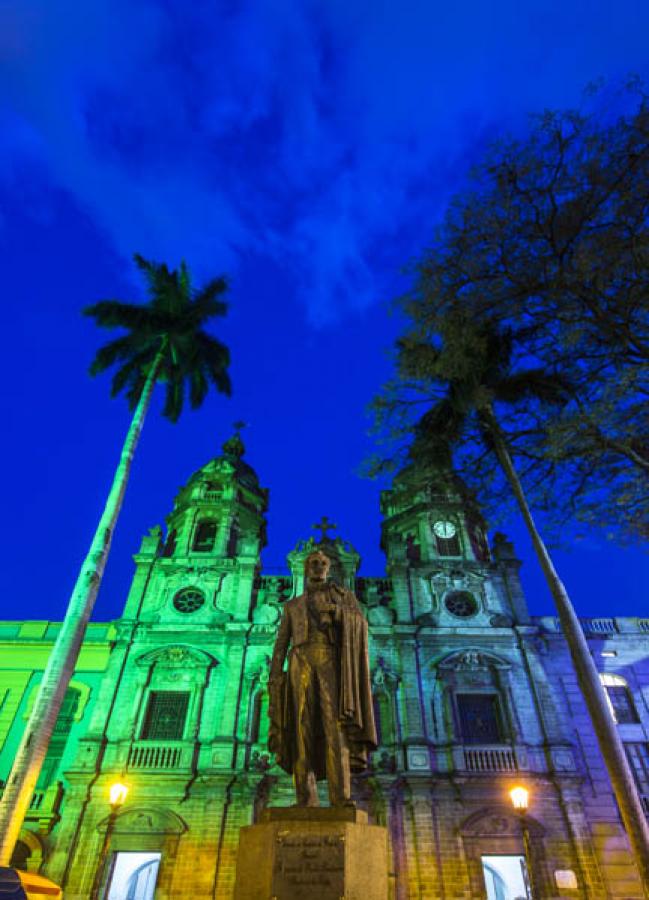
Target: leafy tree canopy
550, 247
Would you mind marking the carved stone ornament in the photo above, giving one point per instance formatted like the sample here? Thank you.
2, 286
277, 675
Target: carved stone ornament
265, 614
498, 821
261, 673
473, 660
176, 658
383, 676
220, 616
146, 820
380, 615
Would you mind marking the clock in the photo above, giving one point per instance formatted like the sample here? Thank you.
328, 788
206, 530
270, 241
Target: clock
444, 529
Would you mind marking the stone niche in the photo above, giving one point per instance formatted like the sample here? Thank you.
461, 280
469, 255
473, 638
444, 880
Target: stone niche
312, 854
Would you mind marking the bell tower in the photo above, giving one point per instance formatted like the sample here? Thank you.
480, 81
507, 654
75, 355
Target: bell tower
207, 563
438, 556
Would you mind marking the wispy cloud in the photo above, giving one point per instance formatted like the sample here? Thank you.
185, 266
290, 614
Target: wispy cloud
316, 133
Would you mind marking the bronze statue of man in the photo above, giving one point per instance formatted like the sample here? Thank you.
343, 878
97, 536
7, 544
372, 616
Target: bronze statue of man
321, 713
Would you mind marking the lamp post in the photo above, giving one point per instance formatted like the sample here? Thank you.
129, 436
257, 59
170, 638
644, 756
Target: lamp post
117, 794
520, 801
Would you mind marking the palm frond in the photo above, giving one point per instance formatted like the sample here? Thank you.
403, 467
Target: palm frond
444, 421
109, 354
198, 387
184, 279
221, 380
206, 301
116, 314
136, 385
532, 384
174, 318
136, 368
174, 399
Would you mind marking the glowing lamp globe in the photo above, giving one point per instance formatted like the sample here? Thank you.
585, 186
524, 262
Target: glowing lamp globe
520, 798
117, 793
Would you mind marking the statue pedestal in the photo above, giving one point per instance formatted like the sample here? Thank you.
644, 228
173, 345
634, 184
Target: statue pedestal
299, 853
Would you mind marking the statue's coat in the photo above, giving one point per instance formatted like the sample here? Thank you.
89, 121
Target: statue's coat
355, 708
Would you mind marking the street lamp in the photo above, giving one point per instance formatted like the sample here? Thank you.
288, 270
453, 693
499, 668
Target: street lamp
117, 794
520, 797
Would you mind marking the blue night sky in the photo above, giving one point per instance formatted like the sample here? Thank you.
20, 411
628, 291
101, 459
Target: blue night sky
304, 149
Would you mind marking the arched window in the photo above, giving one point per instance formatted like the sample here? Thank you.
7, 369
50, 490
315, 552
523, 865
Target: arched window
413, 548
204, 536
619, 698
384, 719
448, 546
170, 544
258, 730
233, 540
165, 716
20, 856
479, 718
59, 738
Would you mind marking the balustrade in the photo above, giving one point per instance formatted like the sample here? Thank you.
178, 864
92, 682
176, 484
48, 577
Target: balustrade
484, 759
599, 626
148, 755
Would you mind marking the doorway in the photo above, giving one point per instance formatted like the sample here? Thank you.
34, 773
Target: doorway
133, 876
506, 877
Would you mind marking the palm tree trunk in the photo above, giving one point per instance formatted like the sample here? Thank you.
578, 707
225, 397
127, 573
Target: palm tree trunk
63, 658
608, 738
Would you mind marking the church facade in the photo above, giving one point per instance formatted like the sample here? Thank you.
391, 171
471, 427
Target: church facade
472, 696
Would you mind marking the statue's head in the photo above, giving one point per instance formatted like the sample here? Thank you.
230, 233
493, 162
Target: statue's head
316, 566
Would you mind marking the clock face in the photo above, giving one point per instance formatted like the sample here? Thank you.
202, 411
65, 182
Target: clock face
444, 529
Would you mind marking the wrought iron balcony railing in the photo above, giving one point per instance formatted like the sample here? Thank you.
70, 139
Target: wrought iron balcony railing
159, 755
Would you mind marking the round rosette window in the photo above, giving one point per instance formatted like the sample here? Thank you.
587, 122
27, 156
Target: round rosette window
461, 604
189, 600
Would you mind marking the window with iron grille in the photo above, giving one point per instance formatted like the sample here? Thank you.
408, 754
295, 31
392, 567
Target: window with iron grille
165, 716
384, 719
448, 546
620, 699
258, 730
479, 718
638, 755
59, 738
623, 708
204, 536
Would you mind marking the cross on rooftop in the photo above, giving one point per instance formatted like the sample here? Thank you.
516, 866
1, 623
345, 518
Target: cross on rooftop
323, 527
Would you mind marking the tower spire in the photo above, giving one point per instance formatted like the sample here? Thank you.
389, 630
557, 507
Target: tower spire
234, 446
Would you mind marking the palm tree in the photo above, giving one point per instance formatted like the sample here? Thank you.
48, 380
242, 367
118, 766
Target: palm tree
474, 364
165, 341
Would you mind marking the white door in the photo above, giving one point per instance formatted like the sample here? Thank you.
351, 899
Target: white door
506, 877
133, 876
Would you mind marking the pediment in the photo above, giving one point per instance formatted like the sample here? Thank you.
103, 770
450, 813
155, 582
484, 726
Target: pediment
498, 821
473, 659
176, 656
146, 820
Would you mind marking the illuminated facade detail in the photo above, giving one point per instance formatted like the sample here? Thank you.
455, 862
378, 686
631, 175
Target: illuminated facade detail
472, 696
